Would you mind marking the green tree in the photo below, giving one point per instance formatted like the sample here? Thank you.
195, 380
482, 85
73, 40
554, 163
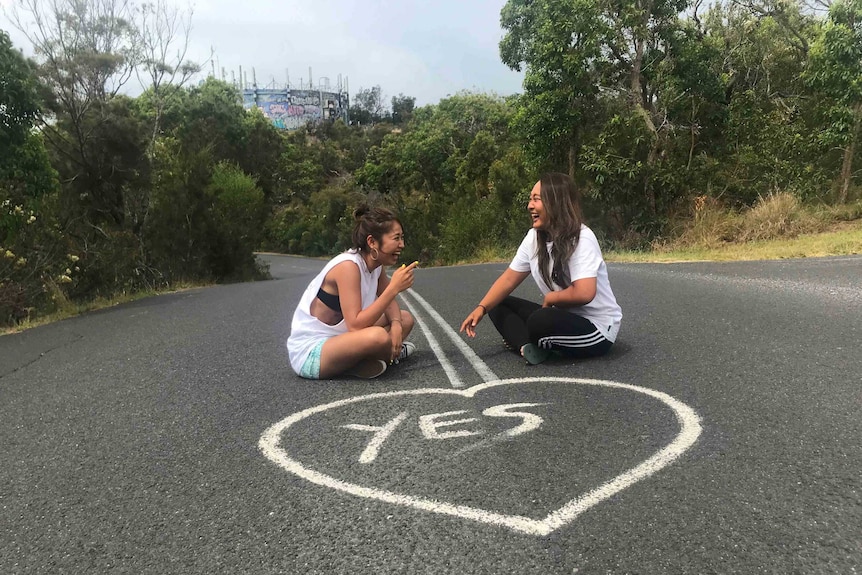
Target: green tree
835, 72
472, 175
261, 149
300, 170
589, 62
559, 45
210, 118
402, 108
238, 212
767, 141
86, 52
162, 38
178, 229
437, 172
368, 106
19, 106
32, 257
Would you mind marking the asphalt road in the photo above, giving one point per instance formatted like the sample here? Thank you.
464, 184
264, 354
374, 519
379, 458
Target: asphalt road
722, 434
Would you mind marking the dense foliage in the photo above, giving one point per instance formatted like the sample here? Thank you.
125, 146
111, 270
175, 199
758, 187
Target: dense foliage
653, 107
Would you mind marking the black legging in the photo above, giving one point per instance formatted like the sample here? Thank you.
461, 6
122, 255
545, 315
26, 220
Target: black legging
520, 321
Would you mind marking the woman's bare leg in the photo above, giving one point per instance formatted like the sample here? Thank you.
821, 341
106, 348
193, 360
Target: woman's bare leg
341, 352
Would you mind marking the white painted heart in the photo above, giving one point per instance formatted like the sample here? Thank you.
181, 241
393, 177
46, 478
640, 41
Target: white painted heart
690, 430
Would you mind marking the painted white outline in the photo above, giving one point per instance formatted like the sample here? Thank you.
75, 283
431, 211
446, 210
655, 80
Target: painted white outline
688, 420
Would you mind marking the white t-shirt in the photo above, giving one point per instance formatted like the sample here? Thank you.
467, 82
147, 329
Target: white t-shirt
305, 329
586, 262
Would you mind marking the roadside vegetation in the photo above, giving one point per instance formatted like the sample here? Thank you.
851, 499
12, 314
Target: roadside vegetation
721, 131
776, 227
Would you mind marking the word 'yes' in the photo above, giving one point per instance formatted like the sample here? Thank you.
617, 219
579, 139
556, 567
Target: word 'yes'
430, 426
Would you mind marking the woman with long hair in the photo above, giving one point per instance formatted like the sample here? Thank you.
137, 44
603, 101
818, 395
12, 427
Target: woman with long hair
348, 321
579, 316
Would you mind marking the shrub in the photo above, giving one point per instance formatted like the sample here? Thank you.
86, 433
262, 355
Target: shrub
238, 213
778, 215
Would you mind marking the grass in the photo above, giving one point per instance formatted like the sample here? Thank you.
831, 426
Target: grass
831, 243
777, 227
487, 254
67, 309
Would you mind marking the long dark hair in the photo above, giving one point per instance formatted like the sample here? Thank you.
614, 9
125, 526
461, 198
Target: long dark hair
372, 222
562, 203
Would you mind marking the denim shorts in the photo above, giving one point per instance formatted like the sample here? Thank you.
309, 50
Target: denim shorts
311, 367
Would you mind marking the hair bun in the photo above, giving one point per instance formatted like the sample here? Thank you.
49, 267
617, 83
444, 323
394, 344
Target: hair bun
360, 211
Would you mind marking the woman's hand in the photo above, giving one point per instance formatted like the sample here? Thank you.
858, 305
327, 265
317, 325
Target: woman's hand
397, 338
402, 278
505, 285
469, 324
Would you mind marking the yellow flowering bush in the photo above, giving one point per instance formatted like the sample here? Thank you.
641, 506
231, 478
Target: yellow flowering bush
31, 267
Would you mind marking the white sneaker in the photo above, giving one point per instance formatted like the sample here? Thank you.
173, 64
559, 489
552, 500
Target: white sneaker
367, 368
407, 349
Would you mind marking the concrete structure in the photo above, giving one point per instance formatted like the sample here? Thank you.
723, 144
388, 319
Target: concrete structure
290, 107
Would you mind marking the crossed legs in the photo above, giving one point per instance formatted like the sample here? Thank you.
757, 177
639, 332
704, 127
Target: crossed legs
521, 321
342, 352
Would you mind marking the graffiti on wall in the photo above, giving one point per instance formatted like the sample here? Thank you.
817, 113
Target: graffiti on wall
292, 109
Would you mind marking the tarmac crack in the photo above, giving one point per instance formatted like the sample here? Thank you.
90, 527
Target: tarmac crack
41, 355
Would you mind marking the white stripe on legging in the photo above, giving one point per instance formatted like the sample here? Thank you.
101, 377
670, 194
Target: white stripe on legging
572, 340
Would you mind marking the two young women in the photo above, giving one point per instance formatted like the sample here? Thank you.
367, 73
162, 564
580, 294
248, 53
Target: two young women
348, 320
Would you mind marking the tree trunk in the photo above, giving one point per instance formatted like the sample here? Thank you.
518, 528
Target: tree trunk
693, 134
642, 105
574, 151
849, 152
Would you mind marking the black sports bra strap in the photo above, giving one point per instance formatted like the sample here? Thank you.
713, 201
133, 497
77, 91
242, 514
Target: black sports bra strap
331, 301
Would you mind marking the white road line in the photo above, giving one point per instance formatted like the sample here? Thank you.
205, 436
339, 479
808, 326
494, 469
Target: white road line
454, 380
481, 368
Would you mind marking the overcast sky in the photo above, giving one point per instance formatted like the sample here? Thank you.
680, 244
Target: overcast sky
422, 48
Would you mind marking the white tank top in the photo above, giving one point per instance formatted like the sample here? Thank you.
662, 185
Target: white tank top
305, 329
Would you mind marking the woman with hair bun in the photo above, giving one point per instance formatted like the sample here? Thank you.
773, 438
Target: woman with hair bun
348, 321
579, 316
